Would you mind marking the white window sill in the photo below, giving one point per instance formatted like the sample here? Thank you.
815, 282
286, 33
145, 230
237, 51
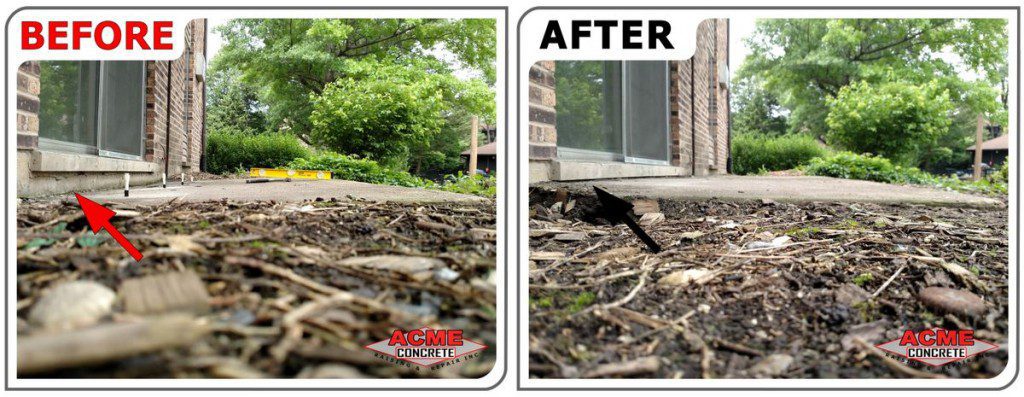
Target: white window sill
568, 170
47, 161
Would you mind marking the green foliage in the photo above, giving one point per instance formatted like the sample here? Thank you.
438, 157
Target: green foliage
863, 278
755, 110
232, 104
752, 152
231, 151
894, 120
357, 169
293, 60
849, 165
476, 184
1001, 174
872, 168
384, 112
582, 301
803, 61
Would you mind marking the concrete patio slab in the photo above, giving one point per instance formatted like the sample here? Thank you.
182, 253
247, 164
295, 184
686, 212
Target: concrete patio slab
281, 191
779, 188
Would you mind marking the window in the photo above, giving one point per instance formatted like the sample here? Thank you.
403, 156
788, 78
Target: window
613, 110
93, 107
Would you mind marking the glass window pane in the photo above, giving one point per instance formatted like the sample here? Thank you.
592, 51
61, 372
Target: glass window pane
67, 101
122, 106
589, 105
647, 110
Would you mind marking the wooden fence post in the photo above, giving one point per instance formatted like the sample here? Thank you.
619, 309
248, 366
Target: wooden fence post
475, 130
977, 148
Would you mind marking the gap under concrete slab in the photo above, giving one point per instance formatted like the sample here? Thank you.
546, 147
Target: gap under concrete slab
793, 189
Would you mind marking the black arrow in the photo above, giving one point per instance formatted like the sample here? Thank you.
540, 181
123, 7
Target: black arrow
617, 209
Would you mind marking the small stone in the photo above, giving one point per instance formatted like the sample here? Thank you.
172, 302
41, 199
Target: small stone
771, 366
869, 332
446, 274
571, 236
953, 301
686, 277
71, 305
704, 308
652, 218
850, 294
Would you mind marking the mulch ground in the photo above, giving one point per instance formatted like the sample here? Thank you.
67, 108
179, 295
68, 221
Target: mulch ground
759, 289
294, 289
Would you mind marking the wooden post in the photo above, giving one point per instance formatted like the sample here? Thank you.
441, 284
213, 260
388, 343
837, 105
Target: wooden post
978, 149
475, 130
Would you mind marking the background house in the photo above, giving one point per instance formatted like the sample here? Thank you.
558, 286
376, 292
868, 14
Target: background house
993, 151
614, 119
486, 157
82, 124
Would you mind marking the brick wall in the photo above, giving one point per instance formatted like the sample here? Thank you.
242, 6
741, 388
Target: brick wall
722, 94
27, 114
186, 128
699, 120
543, 135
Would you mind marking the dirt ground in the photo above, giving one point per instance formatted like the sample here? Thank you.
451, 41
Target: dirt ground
295, 289
759, 288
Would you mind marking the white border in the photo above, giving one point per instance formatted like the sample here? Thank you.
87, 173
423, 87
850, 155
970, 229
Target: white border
17, 56
529, 53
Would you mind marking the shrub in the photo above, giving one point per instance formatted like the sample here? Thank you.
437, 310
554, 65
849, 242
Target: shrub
380, 111
872, 168
477, 184
849, 165
231, 151
357, 169
753, 152
894, 120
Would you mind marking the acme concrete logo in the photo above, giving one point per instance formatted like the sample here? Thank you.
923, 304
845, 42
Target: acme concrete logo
426, 346
937, 346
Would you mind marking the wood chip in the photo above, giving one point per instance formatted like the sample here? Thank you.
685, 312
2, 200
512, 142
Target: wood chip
167, 292
640, 366
103, 343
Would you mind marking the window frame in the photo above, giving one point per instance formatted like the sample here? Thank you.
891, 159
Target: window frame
569, 153
96, 149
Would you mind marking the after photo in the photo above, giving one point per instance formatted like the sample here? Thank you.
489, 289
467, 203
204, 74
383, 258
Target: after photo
800, 199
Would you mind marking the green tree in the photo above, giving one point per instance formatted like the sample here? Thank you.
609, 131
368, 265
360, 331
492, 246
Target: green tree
232, 104
389, 112
803, 62
909, 117
294, 60
756, 110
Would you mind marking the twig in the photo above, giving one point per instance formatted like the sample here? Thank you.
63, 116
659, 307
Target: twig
887, 282
632, 294
644, 365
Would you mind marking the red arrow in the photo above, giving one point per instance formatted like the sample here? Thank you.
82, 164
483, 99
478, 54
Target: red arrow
99, 217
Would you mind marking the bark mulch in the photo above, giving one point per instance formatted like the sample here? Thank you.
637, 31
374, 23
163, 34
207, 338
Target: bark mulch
294, 289
760, 289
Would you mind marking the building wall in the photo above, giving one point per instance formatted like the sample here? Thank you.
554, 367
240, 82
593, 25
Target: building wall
43, 172
698, 123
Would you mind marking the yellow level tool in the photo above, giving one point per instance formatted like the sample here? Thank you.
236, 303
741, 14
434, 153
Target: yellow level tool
293, 174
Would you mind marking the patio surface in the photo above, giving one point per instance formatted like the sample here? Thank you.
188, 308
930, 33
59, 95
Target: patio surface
280, 191
793, 189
